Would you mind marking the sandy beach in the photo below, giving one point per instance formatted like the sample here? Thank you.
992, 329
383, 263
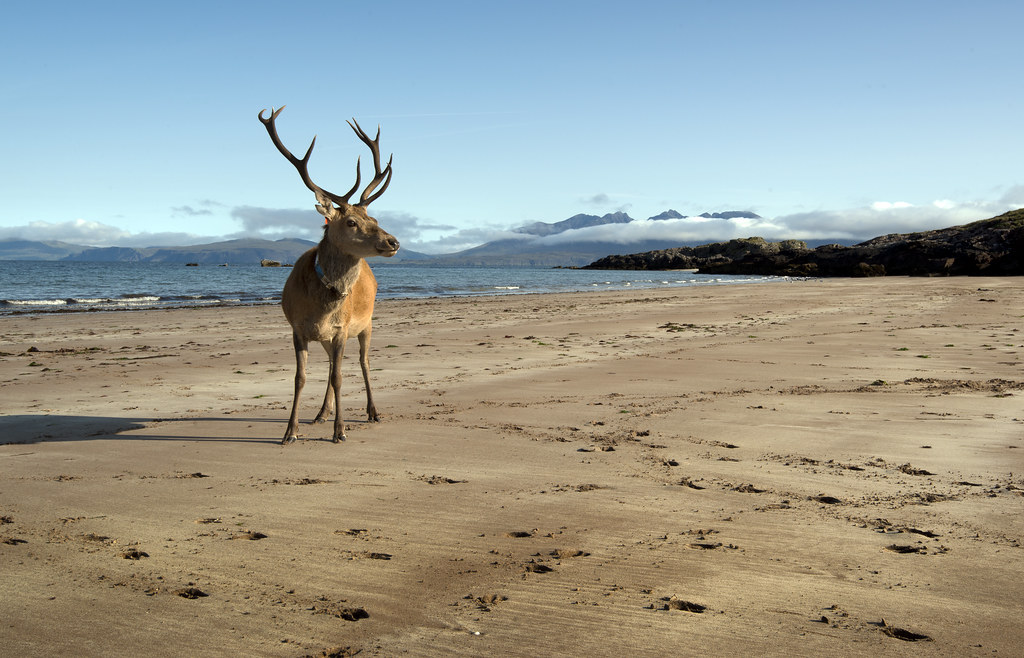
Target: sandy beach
823, 467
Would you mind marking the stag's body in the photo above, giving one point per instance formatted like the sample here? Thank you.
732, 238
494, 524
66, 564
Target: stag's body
330, 293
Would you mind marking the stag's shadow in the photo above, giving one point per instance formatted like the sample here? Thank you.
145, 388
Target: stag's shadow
36, 428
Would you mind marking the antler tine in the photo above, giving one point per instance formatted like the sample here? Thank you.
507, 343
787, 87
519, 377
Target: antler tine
379, 176
301, 165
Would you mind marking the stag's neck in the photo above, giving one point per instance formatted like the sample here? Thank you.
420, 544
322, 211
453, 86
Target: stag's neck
340, 270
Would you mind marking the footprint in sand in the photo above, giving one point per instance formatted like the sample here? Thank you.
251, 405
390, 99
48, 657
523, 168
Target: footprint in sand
191, 593
674, 603
902, 633
906, 548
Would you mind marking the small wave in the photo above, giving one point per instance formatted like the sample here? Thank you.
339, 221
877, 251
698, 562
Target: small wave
88, 300
505, 288
36, 302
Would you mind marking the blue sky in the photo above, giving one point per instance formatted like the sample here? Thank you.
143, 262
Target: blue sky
135, 123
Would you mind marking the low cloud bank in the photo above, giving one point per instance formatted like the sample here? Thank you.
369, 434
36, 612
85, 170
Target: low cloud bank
849, 225
93, 234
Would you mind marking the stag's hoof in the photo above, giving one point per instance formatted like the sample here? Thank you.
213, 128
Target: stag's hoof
338, 439
288, 439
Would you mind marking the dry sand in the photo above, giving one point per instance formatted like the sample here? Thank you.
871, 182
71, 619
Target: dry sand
758, 469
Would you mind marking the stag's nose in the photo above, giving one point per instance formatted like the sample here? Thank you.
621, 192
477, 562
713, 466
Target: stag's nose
392, 242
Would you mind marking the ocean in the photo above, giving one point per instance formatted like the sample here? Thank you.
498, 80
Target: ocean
62, 287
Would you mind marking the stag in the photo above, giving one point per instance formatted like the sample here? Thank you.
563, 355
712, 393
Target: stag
330, 292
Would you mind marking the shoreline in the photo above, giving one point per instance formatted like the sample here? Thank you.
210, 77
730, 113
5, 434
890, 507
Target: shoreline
132, 288
555, 473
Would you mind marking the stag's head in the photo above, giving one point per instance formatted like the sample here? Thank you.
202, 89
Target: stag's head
347, 226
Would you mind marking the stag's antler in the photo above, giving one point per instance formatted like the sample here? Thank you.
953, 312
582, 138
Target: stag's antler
374, 144
301, 164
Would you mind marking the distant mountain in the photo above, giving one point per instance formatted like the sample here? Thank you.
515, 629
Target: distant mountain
531, 251
244, 251
112, 254
732, 214
14, 249
574, 222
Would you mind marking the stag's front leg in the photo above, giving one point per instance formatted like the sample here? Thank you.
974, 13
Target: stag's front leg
327, 408
337, 353
364, 364
301, 355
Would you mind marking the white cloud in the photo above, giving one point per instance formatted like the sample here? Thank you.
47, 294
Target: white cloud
890, 205
881, 218
97, 234
266, 222
77, 231
850, 225
463, 239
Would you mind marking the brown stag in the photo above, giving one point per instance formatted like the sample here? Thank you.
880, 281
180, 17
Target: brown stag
330, 292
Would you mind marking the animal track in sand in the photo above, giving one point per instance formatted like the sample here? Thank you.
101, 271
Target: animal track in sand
191, 593
336, 609
560, 488
910, 470
93, 537
904, 549
485, 602
369, 555
438, 479
710, 546
674, 603
902, 633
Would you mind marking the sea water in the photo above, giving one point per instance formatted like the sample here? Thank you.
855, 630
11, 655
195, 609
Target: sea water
57, 286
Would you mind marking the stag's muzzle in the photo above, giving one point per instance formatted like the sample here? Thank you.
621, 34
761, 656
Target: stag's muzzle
388, 246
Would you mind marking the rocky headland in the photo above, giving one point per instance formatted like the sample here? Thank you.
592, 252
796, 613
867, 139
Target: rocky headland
990, 247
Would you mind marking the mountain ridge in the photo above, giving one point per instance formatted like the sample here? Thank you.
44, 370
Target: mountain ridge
525, 250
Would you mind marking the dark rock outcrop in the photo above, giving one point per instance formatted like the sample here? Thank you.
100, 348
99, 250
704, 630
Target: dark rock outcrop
992, 247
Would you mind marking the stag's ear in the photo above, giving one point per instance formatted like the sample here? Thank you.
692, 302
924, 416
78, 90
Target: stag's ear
325, 207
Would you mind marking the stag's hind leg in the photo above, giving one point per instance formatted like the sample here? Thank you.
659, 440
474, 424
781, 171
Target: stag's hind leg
301, 356
337, 352
364, 364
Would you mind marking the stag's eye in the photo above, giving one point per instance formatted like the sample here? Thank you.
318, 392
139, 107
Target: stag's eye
351, 222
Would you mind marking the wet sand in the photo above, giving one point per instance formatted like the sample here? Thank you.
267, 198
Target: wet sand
802, 468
